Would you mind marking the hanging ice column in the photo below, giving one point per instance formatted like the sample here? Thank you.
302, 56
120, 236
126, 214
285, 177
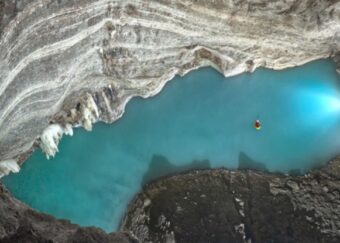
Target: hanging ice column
51, 136
90, 113
8, 166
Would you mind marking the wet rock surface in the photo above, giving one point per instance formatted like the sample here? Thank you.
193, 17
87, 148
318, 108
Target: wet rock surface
239, 206
21, 224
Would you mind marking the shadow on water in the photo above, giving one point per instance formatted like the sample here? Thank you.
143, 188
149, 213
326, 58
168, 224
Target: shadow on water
160, 166
245, 162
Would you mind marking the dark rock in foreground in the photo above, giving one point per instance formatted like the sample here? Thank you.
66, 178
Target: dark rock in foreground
21, 224
239, 206
203, 206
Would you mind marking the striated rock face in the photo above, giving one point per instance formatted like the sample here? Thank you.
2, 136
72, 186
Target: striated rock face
239, 206
76, 62
21, 224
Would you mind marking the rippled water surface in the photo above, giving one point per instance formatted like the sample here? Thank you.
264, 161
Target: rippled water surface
198, 121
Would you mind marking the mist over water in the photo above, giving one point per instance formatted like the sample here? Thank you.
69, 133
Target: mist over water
199, 121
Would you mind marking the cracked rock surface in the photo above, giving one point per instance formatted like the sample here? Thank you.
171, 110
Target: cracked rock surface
239, 206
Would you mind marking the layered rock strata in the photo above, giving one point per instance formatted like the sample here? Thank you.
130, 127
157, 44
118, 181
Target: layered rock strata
77, 62
239, 206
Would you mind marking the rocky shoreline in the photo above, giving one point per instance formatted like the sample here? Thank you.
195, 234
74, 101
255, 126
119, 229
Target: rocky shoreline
21, 224
239, 206
203, 206
73, 63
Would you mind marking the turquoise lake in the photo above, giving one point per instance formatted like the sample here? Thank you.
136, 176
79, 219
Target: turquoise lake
201, 120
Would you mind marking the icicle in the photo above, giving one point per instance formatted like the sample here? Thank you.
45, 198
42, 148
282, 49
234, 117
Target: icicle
51, 136
7, 166
90, 113
68, 130
88, 119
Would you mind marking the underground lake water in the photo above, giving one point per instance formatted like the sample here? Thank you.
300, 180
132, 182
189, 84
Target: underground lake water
198, 121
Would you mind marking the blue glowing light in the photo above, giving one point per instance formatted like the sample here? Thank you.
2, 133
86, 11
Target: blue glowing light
331, 103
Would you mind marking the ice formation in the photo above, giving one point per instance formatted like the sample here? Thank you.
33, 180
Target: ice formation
68, 130
90, 113
51, 136
7, 166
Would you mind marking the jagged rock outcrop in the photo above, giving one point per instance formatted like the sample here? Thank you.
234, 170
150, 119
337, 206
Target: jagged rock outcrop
239, 206
55, 56
21, 224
